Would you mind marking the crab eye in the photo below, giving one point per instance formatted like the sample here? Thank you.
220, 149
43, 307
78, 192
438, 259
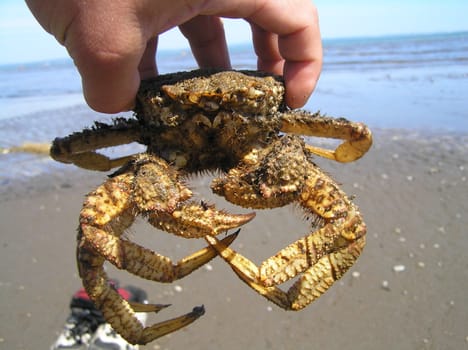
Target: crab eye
193, 98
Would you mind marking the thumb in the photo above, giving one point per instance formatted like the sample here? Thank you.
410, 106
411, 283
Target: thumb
107, 59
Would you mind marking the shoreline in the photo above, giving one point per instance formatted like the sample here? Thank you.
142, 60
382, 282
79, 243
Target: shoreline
38, 173
407, 290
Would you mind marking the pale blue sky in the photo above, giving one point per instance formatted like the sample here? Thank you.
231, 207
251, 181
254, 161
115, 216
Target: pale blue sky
23, 40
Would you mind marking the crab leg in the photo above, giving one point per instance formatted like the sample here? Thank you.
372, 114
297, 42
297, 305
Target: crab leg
310, 286
320, 258
111, 209
357, 137
143, 262
120, 313
197, 221
80, 148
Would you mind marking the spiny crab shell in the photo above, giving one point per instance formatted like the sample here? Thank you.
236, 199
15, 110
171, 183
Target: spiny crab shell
232, 122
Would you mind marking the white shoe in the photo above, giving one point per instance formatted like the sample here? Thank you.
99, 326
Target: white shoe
78, 330
106, 338
86, 327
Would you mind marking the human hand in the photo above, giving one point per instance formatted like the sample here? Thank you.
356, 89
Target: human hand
113, 42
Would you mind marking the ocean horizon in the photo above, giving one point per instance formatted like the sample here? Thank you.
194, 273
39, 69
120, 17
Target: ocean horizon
404, 81
417, 83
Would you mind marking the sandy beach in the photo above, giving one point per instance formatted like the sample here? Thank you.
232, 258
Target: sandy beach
407, 291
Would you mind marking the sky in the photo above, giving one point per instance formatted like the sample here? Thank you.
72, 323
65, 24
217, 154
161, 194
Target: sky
22, 40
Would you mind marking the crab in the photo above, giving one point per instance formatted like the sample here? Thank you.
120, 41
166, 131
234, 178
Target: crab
235, 123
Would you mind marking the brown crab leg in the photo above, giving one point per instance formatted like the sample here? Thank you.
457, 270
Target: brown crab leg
322, 257
249, 272
80, 148
193, 220
120, 313
108, 212
310, 286
357, 137
97, 245
144, 262
162, 328
96, 161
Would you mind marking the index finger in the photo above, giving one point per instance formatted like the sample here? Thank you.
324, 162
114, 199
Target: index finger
299, 43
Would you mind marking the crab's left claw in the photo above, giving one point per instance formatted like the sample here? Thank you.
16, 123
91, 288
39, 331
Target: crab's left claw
249, 272
198, 220
357, 138
319, 258
80, 148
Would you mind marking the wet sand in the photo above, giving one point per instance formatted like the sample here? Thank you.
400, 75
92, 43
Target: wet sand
407, 290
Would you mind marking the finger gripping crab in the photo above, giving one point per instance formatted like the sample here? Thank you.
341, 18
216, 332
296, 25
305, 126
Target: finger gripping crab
231, 121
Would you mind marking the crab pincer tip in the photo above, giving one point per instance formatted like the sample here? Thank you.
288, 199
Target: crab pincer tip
198, 310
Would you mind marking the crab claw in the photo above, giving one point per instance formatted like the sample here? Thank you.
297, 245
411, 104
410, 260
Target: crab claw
198, 220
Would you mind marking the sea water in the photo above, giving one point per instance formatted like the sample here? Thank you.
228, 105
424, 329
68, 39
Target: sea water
417, 82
